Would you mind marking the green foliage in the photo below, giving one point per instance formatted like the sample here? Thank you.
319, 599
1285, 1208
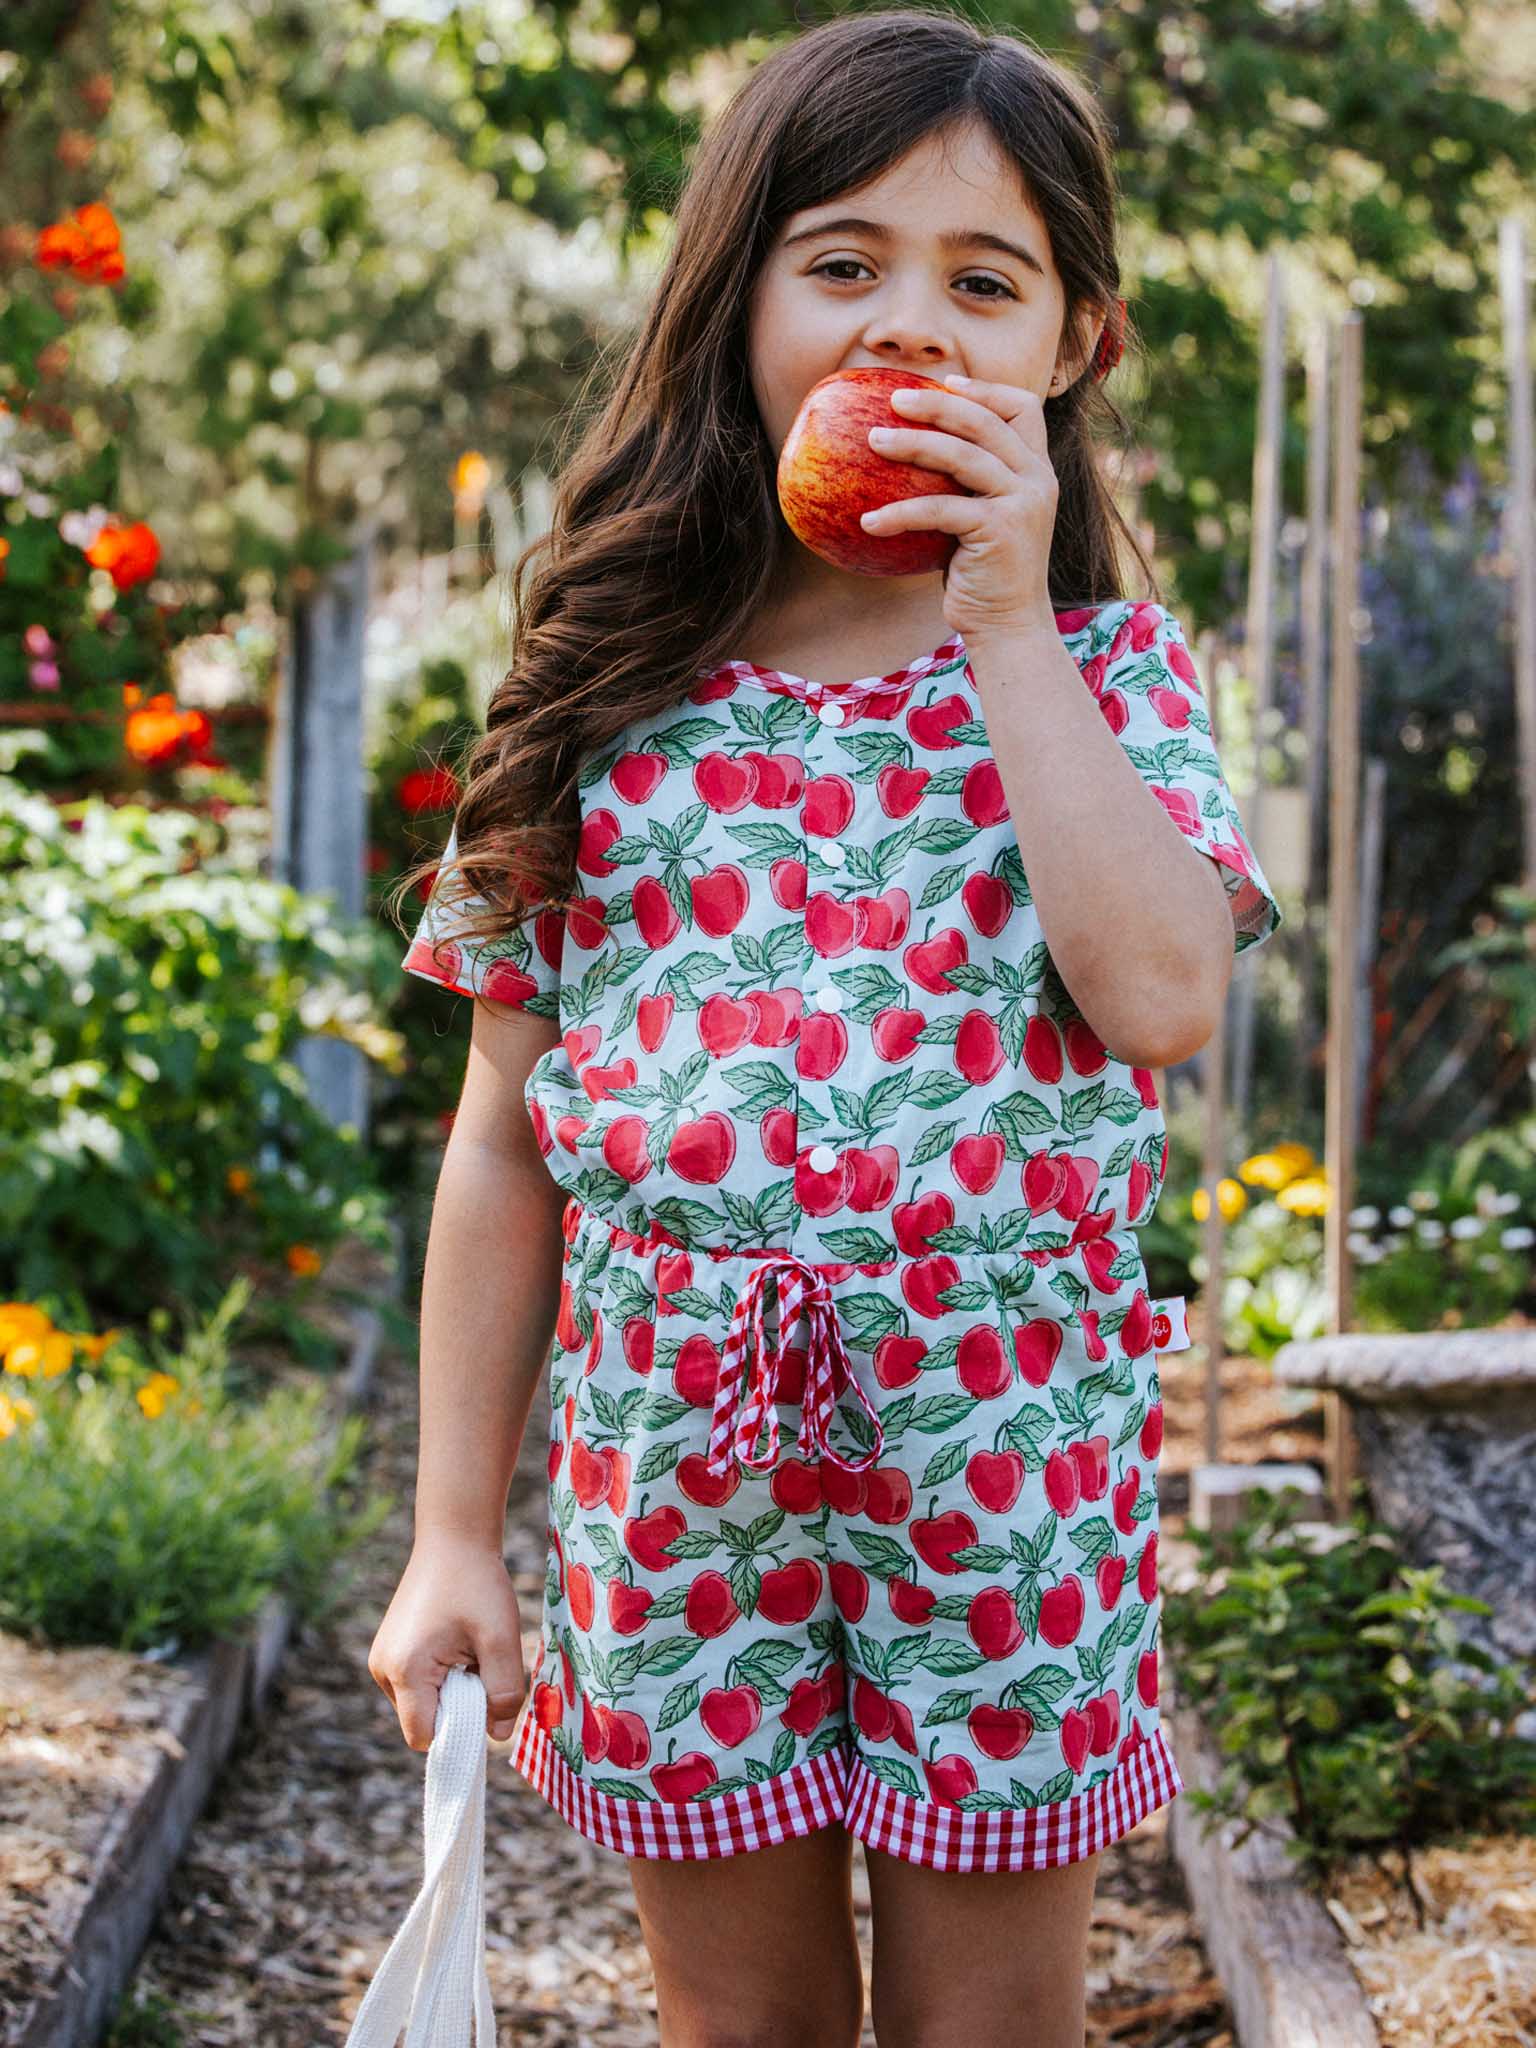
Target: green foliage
153, 1125
1371, 142
1337, 1684
145, 2019
143, 1530
426, 730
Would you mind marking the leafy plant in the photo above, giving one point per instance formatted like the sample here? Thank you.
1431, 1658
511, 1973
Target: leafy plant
160, 1513
146, 2019
1335, 1680
154, 1128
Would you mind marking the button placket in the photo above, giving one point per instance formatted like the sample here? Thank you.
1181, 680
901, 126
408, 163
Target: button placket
827, 866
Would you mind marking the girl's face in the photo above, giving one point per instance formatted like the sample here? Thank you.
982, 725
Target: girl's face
868, 281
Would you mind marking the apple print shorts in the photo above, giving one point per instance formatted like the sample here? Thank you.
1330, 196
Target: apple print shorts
869, 1544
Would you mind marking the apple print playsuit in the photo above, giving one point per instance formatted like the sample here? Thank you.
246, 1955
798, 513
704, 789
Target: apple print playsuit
855, 1414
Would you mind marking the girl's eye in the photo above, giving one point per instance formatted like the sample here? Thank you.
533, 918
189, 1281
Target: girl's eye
852, 262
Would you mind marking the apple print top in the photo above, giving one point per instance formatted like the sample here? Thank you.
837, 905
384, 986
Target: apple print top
808, 982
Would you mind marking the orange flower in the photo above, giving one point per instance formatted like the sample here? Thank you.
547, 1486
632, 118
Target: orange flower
87, 242
155, 1392
304, 1259
237, 1180
129, 553
154, 733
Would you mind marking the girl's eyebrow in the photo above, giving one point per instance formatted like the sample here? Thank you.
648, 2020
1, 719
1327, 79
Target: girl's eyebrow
952, 238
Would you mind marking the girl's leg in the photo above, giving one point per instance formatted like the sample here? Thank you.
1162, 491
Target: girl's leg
755, 1950
979, 1959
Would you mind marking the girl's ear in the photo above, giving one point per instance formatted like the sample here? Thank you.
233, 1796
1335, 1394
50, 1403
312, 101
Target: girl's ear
1071, 364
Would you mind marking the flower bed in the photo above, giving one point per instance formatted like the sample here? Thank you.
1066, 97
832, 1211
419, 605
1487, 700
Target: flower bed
109, 1753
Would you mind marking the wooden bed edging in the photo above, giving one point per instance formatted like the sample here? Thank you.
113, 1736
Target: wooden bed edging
1280, 1958
143, 1842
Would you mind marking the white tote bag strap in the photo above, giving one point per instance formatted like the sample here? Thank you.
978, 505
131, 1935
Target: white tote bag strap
432, 1979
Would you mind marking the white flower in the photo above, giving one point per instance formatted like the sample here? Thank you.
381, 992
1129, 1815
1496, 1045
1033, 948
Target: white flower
1393, 1244
1467, 1226
1518, 1237
1361, 1245
1489, 1262
1365, 1219
1400, 1216
1502, 1204
1430, 1231
1424, 1198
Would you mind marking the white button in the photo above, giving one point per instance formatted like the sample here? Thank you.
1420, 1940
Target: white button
833, 853
828, 998
822, 1158
830, 714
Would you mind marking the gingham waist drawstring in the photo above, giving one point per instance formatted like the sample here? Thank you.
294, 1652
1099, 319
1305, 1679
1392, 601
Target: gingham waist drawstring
751, 1374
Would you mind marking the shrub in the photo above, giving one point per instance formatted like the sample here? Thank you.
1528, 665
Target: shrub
154, 1127
1336, 1681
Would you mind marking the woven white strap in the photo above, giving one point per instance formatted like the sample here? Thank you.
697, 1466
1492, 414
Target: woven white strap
432, 1977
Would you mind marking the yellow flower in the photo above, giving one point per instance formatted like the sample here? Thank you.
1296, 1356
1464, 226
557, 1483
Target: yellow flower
58, 1350
20, 1319
13, 1413
1231, 1199
1310, 1196
24, 1357
93, 1347
1277, 1167
304, 1259
237, 1180
1300, 1158
155, 1392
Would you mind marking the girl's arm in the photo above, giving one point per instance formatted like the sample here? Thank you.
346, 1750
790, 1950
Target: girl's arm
490, 1287
1141, 934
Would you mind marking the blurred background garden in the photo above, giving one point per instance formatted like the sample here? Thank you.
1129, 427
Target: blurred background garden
300, 302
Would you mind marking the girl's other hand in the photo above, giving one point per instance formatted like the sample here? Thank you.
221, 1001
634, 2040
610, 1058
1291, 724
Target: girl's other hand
454, 1605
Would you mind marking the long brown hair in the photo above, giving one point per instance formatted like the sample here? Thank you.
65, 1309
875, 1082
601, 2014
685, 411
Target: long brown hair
666, 538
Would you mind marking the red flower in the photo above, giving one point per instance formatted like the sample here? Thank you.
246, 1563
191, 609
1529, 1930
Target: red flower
129, 553
87, 242
427, 789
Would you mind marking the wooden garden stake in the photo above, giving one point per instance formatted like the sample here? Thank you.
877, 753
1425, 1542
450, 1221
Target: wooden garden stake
1215, 1161
1258, 653
1520, 517
1343, 875
1314, 679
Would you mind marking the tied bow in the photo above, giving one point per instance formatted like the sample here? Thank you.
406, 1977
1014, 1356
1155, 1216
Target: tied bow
735, 1423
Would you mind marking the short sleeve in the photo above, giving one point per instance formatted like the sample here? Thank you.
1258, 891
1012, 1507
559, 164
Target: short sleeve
1145, 681
520, 969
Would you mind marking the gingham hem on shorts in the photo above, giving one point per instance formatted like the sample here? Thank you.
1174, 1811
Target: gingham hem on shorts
837, 1786
811, 1795
1018, 1837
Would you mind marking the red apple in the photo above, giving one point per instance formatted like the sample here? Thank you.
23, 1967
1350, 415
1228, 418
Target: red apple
829, 475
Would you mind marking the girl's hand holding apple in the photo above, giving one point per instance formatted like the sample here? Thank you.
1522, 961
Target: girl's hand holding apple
991, 439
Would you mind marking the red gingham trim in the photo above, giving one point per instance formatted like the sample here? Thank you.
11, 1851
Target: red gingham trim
838, 1786
784, 681
1015, 1838
811, 1795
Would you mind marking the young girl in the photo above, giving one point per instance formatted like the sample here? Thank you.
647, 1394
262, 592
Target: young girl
826, 931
